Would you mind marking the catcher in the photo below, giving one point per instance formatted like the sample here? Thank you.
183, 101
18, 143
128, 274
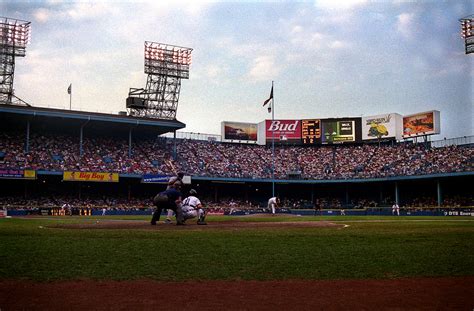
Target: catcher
191, 208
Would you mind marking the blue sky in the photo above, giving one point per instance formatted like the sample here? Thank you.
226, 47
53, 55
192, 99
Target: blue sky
327, 58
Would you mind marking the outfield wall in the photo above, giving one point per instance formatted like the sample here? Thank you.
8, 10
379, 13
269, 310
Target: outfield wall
297, 212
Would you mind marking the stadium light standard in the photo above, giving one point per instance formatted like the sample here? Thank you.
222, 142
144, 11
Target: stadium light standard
467, 32
14, 36
165, 66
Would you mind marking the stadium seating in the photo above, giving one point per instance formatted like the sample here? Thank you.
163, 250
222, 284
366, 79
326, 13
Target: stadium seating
54, 152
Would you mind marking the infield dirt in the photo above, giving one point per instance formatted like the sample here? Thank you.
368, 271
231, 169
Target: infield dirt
454, 293
192, 225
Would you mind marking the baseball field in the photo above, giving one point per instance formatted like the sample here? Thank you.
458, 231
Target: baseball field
243, 263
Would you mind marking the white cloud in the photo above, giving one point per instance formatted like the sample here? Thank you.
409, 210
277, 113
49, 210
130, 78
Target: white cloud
296, 29
308, 41
213, 71
41, 15
89, 10
264, 68
337, 45
194, 8
339, 5
406, 25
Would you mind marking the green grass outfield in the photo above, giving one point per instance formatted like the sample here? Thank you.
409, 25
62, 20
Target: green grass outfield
392, 248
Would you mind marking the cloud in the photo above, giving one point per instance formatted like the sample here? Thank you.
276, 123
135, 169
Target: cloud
89, 10
337, 45
406, 25
339, 5
296, 29
264, 68
41, 15
213, 71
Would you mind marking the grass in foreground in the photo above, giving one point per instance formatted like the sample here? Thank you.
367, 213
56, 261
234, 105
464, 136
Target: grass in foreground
402, 248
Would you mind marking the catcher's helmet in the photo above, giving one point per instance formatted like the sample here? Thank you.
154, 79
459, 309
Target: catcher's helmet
192, 192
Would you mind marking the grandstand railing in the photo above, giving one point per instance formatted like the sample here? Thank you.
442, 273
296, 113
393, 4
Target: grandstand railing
194, 136
465, 140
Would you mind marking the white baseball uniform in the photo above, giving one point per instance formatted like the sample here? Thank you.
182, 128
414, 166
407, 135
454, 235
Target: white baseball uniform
396, 209
190, 207
272, 204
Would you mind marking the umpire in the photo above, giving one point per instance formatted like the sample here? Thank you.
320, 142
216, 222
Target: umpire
169, 199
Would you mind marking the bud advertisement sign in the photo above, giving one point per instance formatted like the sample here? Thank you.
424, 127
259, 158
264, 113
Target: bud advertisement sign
283, 131
425, 123
337, 131
382, 126
90, 176
238, 131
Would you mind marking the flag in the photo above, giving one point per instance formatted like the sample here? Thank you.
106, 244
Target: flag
69, 89
270, 98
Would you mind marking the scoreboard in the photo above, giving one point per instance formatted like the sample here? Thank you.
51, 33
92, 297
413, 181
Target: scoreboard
341, 130
311, 131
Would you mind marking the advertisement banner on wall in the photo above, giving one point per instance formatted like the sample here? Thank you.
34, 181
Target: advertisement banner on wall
419, 124
90, 176
283, 131
239, 132
162, 179
338, 131
382, 126
17, 174
159, 179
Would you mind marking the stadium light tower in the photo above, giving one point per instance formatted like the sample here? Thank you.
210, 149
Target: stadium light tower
165, 65
14, 36
467, 32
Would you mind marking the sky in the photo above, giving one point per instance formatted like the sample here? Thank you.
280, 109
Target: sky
327, 58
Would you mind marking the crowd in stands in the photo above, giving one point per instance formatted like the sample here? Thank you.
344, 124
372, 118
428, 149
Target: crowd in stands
225, 204
110, 203
55, 152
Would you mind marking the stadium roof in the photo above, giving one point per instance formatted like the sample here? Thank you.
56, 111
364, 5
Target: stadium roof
12, 116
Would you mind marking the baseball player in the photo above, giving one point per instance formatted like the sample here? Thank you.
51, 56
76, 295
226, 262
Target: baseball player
175, 182
273, 203
395, 209
171, 200
192, 208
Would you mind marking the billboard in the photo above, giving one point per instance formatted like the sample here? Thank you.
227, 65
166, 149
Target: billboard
423, 123
90, 176
283, 131
239, 131
337, 131
17, 173
311, 131
382, 126
151, 178
162, 179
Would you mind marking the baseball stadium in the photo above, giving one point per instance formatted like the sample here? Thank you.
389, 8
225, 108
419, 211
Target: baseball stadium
130, 211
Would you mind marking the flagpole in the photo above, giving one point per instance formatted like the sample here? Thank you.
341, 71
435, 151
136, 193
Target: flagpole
69, 90
273, 146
